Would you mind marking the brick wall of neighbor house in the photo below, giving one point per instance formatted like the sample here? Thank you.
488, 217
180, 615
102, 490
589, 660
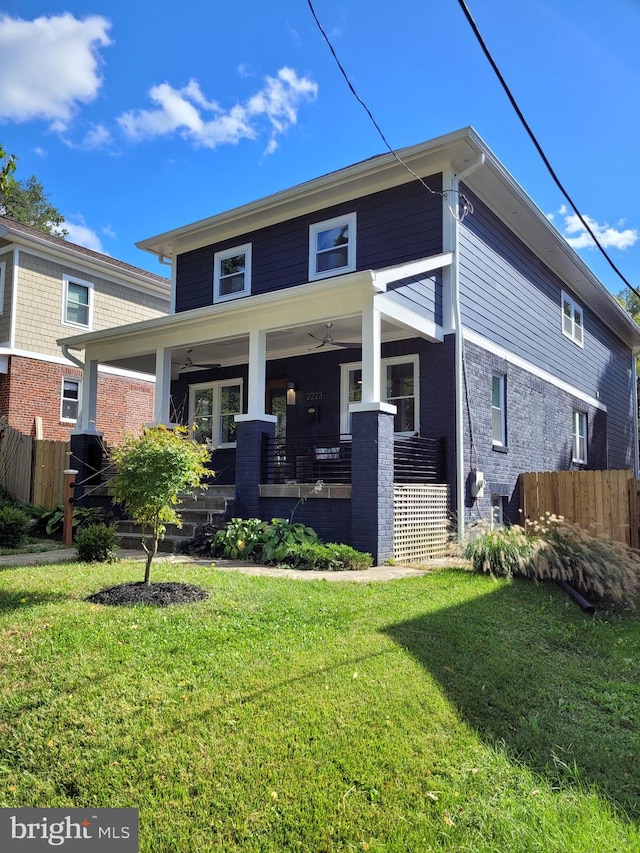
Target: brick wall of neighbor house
124, 404
40, 298
539, 430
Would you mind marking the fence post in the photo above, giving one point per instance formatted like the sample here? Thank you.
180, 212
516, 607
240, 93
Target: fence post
69, 485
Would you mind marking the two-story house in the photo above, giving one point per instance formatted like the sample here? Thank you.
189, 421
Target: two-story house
371, 330
50, 288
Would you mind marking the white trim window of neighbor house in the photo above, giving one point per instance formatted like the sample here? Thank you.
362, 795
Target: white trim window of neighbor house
77, 303
580, 437
212, 410
232, 273
71, 399
572, 320
399, 386
498, 410
332, 247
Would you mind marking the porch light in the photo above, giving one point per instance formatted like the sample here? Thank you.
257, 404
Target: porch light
291, 394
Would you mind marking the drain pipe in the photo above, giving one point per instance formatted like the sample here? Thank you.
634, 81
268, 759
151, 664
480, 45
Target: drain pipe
459, 359
72, 358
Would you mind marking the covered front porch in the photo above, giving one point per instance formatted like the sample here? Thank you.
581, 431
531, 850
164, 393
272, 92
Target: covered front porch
312, 383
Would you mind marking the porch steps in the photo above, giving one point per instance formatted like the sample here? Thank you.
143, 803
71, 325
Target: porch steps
212, 506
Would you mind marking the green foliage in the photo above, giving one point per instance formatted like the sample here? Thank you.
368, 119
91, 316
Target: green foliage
13, 526
500, 552
7, 168
52, 520
331, 557
238, 538
97, 543
152, 470
281, 536
27, 202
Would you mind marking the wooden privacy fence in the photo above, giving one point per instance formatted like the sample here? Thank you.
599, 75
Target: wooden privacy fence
32, 469
602, 502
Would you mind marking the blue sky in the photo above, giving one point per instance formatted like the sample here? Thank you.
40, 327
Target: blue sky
141, 117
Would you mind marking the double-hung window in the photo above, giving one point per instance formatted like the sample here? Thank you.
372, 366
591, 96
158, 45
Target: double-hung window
213, 407
572, 320
399, 386
232, 273
71, 396
498, 410
332, 247
77, 302
580, 437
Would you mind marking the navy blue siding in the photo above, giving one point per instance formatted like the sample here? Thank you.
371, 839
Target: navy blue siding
394, 226
512, 299
422, 295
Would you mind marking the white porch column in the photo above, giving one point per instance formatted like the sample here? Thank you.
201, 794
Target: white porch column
161, 414
87, 416
371, 331
257, 371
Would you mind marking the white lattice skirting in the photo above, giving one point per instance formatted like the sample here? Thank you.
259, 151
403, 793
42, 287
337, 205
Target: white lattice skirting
420, 521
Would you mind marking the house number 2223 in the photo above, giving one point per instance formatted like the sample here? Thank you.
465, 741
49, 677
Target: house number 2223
314, 395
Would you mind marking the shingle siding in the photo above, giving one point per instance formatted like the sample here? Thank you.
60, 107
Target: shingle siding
393, 226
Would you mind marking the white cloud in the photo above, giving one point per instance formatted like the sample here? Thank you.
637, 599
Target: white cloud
207, 124
49, 66
80, 233
97, 137
608, 236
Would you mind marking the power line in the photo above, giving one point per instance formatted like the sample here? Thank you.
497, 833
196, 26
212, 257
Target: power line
538, 147
465, 204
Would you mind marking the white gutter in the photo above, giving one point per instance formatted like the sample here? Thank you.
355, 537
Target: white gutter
72, 358
459, 359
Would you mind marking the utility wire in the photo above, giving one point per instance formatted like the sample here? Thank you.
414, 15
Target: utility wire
465, 204
538, 147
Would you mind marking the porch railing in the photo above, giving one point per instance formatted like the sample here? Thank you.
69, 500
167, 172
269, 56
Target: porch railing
328, 458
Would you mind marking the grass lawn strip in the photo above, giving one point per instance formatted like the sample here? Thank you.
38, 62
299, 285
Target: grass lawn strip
447, 712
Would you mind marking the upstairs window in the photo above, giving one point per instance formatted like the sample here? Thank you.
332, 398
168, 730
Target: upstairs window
77, 303
572, 320
498, 410
332, 247
70, 405
232, 273
580, 438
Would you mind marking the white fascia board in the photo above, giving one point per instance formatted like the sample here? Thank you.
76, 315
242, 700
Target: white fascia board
382, 278
308, 303
539, 373
364, 178
6, 351
395, 313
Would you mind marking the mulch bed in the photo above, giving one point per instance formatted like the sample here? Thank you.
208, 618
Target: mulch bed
156, 594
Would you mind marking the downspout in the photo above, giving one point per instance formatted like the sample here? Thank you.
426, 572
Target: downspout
459, 359
634, 396
72, 358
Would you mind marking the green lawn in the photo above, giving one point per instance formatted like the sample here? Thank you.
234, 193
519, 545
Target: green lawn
448, 712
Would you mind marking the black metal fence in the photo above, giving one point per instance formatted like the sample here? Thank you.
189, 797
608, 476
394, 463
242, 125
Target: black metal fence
328, 458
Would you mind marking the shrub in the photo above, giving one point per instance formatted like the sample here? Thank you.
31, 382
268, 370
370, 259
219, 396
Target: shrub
597, 567
280, 536
97, 543
13, 526
500, 552
238, 538
331, 557
52, 520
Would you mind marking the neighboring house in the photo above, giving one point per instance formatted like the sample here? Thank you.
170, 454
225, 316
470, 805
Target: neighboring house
49, 288
478, 339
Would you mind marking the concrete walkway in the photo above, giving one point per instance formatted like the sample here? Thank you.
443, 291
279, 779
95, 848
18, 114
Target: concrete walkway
377, 573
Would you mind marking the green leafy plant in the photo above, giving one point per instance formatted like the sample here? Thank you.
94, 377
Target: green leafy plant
97, 543
280, 536
238, 538
13, 526
332, 557
500, 552
152, 470
52, 520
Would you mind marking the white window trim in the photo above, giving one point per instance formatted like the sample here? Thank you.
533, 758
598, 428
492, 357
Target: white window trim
3, 276
314, 229
215, 414
502, 441
578, 339
72, 279
77, 380
221, 256
345, 369
579, 417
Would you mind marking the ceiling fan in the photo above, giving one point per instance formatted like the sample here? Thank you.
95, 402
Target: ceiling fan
327, 339
189, 364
